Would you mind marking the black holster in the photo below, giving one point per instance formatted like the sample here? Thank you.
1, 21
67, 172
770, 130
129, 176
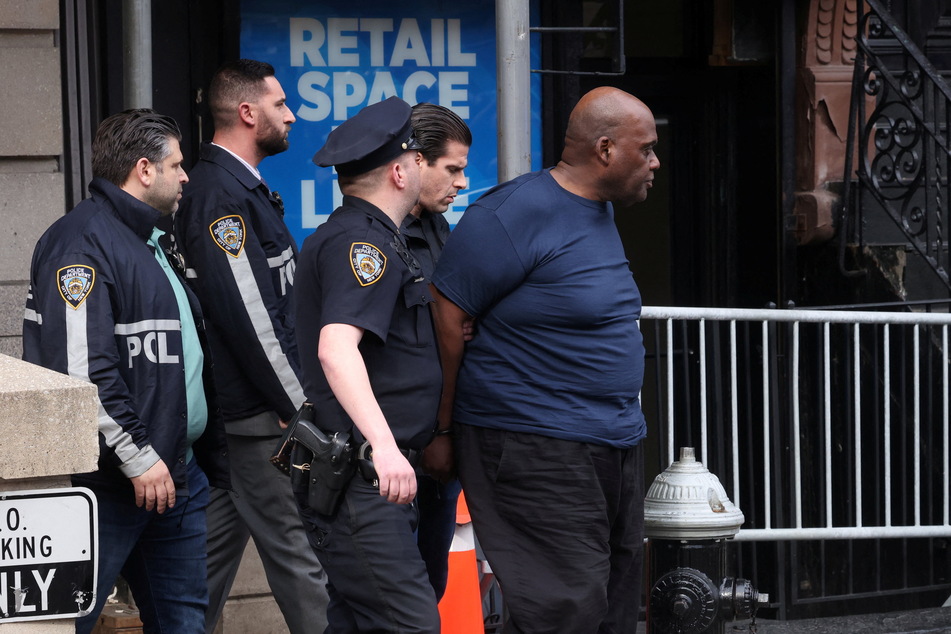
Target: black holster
319, 464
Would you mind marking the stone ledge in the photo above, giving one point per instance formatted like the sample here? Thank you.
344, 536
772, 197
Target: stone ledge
48, 422
34, 484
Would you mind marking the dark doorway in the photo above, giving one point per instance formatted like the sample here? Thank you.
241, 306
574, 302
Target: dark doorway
707, 234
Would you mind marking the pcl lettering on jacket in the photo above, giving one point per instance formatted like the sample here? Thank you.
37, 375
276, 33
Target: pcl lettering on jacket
150, 339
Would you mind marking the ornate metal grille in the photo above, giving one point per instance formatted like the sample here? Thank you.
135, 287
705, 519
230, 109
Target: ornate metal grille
903, 143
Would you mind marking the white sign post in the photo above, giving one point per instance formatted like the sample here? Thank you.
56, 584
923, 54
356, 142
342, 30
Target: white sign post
49, 542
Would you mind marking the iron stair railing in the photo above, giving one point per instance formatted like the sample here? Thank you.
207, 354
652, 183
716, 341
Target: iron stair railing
903, 145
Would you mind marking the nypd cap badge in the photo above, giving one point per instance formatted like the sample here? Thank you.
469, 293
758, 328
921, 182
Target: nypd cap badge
75, 283
228, 233
367, 261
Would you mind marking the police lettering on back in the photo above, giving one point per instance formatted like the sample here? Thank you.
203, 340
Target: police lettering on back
286, 265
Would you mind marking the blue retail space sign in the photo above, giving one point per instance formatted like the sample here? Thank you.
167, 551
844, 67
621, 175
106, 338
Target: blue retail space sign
335, 57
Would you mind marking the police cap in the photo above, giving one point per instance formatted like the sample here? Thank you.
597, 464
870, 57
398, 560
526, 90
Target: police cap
372, 137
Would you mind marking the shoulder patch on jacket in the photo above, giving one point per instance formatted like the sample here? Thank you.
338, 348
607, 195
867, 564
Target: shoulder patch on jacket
75, 283
367, 261
228, 233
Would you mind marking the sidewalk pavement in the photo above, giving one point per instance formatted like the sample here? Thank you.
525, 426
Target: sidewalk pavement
930, 621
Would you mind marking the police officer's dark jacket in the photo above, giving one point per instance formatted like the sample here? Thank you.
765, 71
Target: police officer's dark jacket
425, 236
241, 259
100, 308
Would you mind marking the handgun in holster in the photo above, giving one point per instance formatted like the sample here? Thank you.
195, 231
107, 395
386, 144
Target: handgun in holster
282, 453
319, 463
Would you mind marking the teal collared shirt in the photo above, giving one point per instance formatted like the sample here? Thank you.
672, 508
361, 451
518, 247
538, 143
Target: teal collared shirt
193, 358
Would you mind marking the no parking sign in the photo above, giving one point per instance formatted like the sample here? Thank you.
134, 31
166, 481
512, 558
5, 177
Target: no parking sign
48, 548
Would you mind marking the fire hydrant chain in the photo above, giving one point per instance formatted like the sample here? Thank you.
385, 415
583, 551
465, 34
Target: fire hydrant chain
753, 619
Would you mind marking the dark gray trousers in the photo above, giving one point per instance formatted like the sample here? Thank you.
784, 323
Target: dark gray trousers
262, 506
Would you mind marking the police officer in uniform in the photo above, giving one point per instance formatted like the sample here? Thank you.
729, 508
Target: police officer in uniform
370, 367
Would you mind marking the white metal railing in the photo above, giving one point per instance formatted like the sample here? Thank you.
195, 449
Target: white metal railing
822, 420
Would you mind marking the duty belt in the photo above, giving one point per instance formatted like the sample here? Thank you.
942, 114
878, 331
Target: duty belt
364, 458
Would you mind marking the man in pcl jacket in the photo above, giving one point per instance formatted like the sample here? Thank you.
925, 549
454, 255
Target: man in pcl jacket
106, 306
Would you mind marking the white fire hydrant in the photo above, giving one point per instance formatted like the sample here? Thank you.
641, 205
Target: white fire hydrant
688, 519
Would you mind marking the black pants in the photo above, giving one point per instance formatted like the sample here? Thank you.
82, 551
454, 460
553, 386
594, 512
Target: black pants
437, 525
561, 524
377, 581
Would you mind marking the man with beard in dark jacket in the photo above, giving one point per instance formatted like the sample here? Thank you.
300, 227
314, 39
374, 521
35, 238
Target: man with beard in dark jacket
241, 259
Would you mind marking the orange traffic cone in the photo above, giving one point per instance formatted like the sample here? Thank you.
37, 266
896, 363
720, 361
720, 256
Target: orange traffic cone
461, 606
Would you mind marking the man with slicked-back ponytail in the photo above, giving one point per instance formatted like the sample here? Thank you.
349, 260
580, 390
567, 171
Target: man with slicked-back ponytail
444, 140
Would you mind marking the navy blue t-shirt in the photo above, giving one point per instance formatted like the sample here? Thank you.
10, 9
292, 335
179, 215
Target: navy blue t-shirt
557, 349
